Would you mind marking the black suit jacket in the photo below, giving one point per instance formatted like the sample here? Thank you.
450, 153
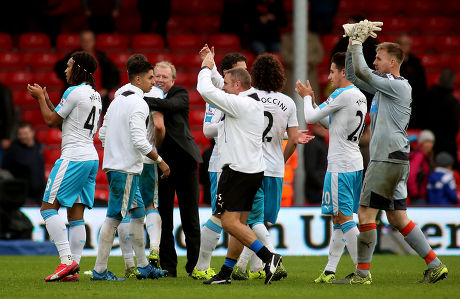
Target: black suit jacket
175, 108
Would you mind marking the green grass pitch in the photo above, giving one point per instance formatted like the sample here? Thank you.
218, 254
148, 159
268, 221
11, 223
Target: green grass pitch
393, 277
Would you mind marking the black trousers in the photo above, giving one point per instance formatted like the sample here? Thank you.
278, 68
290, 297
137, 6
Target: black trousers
183, 181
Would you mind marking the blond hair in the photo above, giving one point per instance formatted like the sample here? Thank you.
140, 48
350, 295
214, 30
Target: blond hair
393, 49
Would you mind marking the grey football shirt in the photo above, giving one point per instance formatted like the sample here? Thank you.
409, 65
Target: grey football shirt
390, 110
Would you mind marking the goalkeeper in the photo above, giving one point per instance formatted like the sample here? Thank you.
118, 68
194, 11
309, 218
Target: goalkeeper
385, 181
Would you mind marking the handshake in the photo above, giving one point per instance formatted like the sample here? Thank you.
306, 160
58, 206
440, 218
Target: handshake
359, 32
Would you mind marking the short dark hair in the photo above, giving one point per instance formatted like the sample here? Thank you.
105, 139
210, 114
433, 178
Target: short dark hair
240, 74
339, 60
230, 60
138, 67
83, 69
268, 73
135, 57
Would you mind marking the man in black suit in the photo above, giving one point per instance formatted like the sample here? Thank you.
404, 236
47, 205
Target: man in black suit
178, 147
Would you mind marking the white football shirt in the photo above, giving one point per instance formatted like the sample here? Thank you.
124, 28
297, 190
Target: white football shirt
280, 113
80, 107
240, 133
346, 108
124, 134
155, 92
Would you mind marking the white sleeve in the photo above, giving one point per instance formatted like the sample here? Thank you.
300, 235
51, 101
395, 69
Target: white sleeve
68, 102
103, 128
228, 103
313, 115
216, 78
292, 118
211, 121
138, 130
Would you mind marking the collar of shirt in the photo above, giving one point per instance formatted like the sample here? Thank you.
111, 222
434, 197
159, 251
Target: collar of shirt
247, 92
136, 90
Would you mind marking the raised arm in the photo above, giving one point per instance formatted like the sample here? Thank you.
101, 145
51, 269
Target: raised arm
351, 76
228, 103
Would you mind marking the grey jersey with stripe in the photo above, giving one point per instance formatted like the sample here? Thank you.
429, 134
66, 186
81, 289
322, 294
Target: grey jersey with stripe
390, 110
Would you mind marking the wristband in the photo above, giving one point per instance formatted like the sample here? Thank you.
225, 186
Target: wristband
158, 160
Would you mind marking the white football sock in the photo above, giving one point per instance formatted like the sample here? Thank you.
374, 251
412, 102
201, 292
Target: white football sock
77, 238
106, 236
57, 230
210, 235
336, 247
351, 241
125, 244
153, 225
256, 263
136, 232
245, 256
264, 236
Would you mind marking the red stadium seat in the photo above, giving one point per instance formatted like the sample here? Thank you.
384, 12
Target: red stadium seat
447, 44
185, 42
6, 43
11, 60
42, 60
419, 8
397, 25
329, 41
33, 116
120, 59
157, 57
348, 8
23, 99
187, 80
112, 42
195, 7
49, 79
51, 155
41, 135
204, 24
225, 42
34, 42
101, 193
67, 42
147, 43
435, 62
196, 101
54, 137
18, 79
200, 139
423, 43
196, 118
435, 25
177, 25
55, 96
189, 61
